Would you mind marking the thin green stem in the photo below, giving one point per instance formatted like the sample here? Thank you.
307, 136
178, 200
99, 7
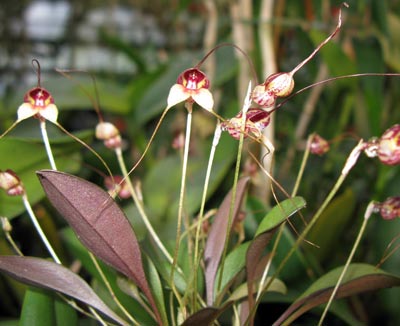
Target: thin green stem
110, 290
350, 162
246, 106
302, 166
369, 211
39, 229
182, 191
217, 136
139, 205
6, 226
47, 144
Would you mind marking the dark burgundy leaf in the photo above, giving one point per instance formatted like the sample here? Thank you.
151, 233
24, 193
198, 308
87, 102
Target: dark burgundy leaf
205, 316
99, 223
216, 239
359, 278
48, 275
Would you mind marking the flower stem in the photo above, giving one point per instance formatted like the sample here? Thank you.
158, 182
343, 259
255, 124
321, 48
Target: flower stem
47, 144
350, 162
182, 192
110, 290
246, 106
139, 205
39, 229
368, 212
217, 136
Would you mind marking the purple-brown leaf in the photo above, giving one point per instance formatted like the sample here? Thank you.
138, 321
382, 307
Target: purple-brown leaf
99, 223
48, 275
358, 279
216, 239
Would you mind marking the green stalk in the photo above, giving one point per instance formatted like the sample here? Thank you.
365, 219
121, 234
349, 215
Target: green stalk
246, 106
47, 144
217, 136
350, 162
139, 205
370, 209
39, 230
182, 191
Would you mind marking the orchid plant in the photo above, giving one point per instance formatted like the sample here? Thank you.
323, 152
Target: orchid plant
226, 256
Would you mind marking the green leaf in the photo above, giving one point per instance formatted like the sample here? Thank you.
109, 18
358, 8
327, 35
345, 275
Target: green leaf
65, 314
331, 225
276, 216
37, 309
359, 278
241, 291
24, 157
279, 213
234, 263
156, 288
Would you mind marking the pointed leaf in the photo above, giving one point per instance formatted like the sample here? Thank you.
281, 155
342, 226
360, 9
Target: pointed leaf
216, 238
264, 234
37, 309
48, 275
99, 223
359, 278
205, 316
242, 290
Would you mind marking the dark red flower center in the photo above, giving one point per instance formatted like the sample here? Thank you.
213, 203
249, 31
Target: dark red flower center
193, 79
39, 97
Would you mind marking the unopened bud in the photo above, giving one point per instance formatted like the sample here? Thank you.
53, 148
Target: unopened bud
319, 145
11, 183
389, 146
107, 132
280, 84
390, 208
263, 97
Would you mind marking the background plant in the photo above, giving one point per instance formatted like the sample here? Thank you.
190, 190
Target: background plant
364, 107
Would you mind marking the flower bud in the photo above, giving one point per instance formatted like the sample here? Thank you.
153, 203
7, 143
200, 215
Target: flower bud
109, 133
390, 208
11, 183
256, 121
319, 145
262, 97
389, 146
280, 84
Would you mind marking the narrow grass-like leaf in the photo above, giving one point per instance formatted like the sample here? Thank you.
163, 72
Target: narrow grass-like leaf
359, 278
99, 223
264, 234
48, 275
216, 238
